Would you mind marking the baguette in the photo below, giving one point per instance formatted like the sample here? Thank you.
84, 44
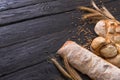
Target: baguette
88, 63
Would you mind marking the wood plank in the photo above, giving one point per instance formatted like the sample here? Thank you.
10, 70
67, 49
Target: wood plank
113, 8
39, 72
50, 33
40, 9
35, 11
27, 30
43, 71
21, 56
53, 31
35, 28
12, 4
30, 53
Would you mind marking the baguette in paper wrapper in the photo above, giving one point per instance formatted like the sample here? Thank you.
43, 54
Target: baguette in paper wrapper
88, 63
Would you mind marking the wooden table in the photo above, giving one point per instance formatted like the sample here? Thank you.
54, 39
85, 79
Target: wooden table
31, 31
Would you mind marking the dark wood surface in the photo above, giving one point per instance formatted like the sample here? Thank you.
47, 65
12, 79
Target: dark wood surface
31, 31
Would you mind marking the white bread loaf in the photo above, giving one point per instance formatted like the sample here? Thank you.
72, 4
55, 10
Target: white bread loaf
88, 63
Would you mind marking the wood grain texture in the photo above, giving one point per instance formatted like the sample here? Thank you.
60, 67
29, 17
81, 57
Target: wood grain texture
12, 4
24, 31
39, 9
37, 72
49, 34
36, 10
25, 46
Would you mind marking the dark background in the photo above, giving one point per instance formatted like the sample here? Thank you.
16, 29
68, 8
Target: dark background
31, 31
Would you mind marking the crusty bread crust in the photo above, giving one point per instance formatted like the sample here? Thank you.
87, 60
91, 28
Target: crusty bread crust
89, 63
